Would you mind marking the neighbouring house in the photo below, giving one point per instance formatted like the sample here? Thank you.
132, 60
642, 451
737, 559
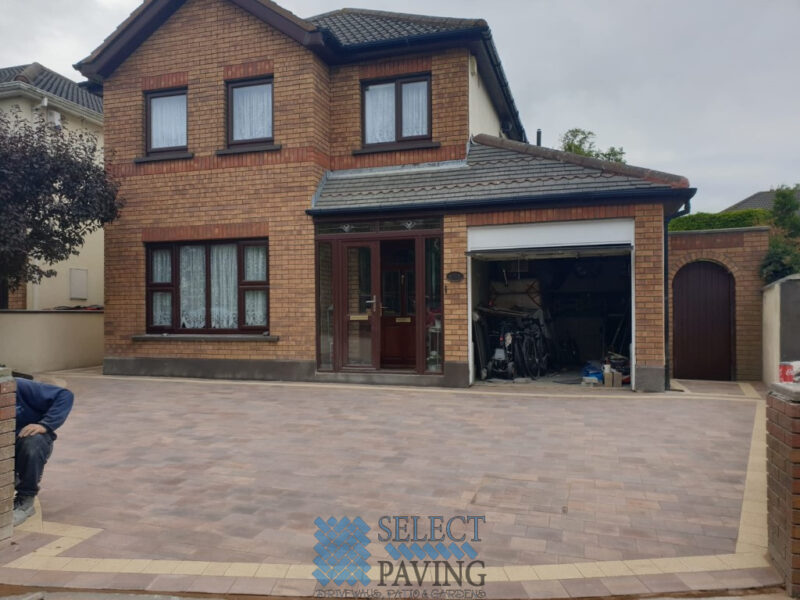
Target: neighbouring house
33, 337
336, 198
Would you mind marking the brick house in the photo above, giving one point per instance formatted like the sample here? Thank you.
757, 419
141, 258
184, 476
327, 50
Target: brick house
294, 185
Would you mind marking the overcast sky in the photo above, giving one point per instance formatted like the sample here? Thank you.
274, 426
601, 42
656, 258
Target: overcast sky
708, 89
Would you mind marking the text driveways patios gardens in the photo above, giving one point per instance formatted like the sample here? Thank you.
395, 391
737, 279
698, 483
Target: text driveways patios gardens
184, 485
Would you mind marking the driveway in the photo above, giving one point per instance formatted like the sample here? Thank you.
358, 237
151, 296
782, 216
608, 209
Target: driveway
184, 485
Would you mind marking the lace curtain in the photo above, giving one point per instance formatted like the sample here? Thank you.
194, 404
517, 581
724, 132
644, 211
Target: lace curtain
224, 298
255, 307
252, 112
162, 309
162, 269
379, 113
193, 287
168, 121
255, 263
415, 108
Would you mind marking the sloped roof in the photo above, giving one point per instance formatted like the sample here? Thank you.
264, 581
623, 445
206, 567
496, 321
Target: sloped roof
496, 171
51, 82
353, 27
342, 36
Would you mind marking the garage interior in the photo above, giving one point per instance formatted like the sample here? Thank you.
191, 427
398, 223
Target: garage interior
552, 315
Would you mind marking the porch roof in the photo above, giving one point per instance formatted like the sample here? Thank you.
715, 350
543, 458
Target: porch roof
496, 172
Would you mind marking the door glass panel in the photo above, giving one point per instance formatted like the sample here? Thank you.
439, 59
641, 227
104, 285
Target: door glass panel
325, 305
433, 305
359, 306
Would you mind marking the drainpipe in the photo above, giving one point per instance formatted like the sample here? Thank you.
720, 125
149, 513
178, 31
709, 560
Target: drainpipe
667, 350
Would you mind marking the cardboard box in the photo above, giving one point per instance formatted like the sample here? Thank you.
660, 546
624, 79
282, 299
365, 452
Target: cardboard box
617, 379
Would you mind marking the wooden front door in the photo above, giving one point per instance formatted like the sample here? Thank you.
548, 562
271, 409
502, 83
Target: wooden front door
398, 305
703, 305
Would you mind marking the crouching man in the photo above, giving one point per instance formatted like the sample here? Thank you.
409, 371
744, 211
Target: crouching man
41, 409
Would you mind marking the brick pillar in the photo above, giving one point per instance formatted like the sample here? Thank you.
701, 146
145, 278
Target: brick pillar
783, 482
8, 415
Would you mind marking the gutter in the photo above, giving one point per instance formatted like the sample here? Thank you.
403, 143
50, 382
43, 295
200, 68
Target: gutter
16, 89
513, 202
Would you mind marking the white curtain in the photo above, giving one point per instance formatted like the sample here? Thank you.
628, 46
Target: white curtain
162, 267
168, 121
255, 307
415, 108
193, 287
224, 297
255, 263
252, 112
162, 309
379, 113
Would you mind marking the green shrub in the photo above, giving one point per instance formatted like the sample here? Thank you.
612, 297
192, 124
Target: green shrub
730, 220
782, 259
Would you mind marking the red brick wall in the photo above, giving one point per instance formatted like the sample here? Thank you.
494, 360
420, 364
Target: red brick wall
783, 484
649, 264
741, 253
18, 299
8, 412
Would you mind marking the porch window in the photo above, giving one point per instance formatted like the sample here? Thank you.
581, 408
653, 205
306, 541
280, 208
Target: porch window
219, 287
250, 111
397, 111
166, 121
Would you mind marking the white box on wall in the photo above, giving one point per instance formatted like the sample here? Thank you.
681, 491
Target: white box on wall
78, 284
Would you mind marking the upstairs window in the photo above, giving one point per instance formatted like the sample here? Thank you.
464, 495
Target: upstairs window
166, 121
250, 111
397, 111
220, 287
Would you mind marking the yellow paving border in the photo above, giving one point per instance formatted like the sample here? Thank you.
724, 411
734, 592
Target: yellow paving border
751, 546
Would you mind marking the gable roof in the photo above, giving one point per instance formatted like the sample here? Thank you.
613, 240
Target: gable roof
52, 83
341, 36
496, 173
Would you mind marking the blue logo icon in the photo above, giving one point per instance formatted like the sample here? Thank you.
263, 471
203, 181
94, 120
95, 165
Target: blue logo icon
342, 551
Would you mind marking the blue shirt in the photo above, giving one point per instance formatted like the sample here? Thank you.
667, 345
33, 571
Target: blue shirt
42, 403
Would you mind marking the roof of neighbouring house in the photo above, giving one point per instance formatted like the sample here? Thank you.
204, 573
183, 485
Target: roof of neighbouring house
495, 172
342, 36
51, 82
758, 200
353, 27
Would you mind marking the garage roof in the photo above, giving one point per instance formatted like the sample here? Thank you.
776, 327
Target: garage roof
497, 172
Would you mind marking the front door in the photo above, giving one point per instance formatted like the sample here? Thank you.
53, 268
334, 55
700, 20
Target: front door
362, 305
399, 304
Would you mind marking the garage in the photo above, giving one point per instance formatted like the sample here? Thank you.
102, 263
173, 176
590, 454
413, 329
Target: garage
552, 302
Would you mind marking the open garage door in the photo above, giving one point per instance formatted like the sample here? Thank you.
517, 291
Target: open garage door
552, 302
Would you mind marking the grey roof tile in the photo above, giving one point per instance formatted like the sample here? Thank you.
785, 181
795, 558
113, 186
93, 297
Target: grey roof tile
355, 27
494, 170
52, 83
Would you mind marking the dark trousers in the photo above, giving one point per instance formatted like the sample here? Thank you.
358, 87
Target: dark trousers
32, 453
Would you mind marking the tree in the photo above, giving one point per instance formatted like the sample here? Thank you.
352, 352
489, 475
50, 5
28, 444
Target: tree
53, 192
581, 141
783, 254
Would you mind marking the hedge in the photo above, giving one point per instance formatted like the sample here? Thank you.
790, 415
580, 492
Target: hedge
729, 220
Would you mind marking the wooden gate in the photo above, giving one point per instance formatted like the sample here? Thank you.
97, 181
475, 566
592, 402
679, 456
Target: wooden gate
703, 305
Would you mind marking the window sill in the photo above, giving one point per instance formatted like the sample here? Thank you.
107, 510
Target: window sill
243, 149
189, 337
164, 156
397, 146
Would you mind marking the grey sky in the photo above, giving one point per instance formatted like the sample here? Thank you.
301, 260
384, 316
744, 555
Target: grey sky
707, 89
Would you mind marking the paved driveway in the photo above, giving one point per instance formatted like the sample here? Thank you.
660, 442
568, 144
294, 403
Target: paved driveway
179, 485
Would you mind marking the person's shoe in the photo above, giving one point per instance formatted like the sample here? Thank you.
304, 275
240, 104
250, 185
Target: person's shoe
23, 508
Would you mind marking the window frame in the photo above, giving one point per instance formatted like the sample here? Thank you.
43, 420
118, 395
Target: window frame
399, 139
173, 287
148, 98
249, 82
